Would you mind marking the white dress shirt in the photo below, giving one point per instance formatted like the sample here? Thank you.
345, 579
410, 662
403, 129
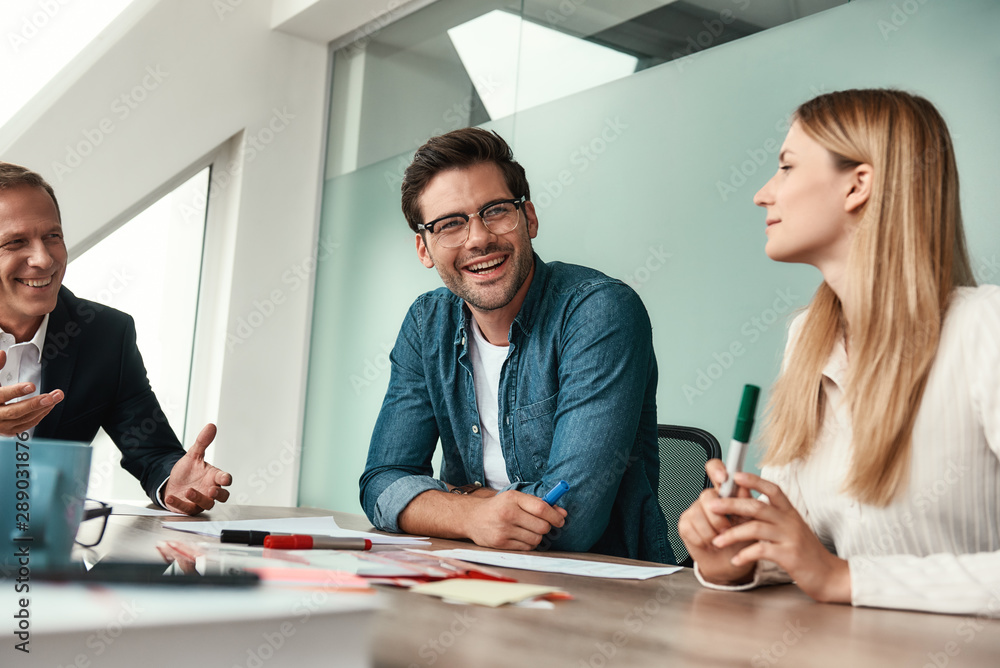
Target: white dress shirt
936, 546
24, 362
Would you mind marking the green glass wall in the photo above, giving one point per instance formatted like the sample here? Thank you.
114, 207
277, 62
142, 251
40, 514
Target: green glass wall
648, 178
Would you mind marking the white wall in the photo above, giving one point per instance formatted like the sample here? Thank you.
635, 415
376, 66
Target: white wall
187, 79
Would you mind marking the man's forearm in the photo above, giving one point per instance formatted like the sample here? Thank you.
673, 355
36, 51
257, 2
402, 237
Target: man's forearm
441, 514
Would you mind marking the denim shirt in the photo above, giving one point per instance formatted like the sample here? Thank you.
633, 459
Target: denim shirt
577, 402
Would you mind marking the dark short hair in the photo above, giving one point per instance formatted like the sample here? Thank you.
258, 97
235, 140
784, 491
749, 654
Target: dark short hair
457, 149
12, 176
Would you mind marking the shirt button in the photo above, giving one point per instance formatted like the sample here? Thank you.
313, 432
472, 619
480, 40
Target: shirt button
475, 429
463, 340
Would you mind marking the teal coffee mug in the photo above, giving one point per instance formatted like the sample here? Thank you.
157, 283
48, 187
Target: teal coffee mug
43, 484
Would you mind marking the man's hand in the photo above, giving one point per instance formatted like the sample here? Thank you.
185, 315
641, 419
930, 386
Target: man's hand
511, 520
194, 485
23, 415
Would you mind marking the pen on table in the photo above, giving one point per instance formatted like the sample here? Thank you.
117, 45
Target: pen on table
307, 542
741, 438
556, 493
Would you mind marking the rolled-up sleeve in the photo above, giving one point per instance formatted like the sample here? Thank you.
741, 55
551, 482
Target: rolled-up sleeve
406, 433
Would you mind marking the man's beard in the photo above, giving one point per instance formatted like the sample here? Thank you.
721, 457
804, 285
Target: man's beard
474, 295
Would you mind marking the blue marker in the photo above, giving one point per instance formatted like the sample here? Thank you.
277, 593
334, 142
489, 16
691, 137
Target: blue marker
552, 497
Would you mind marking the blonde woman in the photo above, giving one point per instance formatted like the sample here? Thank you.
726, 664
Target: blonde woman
881, 482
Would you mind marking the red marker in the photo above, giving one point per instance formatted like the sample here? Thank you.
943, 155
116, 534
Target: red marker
306, 542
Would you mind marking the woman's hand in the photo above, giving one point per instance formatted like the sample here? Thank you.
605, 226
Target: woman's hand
699, 525
774, 530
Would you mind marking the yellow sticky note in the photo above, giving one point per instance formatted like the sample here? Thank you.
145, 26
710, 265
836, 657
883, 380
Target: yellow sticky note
483, 592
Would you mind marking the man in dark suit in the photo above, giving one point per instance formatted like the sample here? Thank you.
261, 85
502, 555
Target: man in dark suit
83, 355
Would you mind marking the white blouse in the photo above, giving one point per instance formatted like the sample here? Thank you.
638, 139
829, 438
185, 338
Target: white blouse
936, 547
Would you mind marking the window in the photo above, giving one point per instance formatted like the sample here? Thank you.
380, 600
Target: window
150, 267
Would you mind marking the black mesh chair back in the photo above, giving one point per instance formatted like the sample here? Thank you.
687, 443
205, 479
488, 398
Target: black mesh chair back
683, 453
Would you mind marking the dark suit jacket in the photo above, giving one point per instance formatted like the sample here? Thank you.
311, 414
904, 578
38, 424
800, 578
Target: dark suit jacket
91, 355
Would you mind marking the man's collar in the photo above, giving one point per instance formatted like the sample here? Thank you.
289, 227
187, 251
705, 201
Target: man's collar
526, 316
39, 338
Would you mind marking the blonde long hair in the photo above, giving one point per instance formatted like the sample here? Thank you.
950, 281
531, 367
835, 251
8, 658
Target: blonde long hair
907, 255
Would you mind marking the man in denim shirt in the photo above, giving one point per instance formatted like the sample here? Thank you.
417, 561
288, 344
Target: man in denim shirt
529, 373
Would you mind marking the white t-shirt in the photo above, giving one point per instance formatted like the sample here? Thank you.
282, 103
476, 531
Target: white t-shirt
487, 361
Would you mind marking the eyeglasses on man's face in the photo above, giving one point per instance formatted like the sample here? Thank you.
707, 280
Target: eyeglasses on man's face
452, 231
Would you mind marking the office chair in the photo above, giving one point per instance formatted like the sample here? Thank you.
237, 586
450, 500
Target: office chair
683, 453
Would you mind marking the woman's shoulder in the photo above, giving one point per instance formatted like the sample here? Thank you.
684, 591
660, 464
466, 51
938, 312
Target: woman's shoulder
975, 307
795, 325
972, 327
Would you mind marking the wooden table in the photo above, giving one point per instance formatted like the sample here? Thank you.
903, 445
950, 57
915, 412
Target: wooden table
666, 621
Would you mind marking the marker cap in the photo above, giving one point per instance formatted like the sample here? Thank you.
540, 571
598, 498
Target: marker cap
745, 418
243, 537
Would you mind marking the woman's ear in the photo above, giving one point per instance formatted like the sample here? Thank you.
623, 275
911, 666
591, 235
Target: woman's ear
860, 188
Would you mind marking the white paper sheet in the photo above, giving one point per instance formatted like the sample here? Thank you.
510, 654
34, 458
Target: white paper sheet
319, 526
532, 562
126, 508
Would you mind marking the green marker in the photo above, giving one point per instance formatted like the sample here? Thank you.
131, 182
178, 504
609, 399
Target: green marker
741, 438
